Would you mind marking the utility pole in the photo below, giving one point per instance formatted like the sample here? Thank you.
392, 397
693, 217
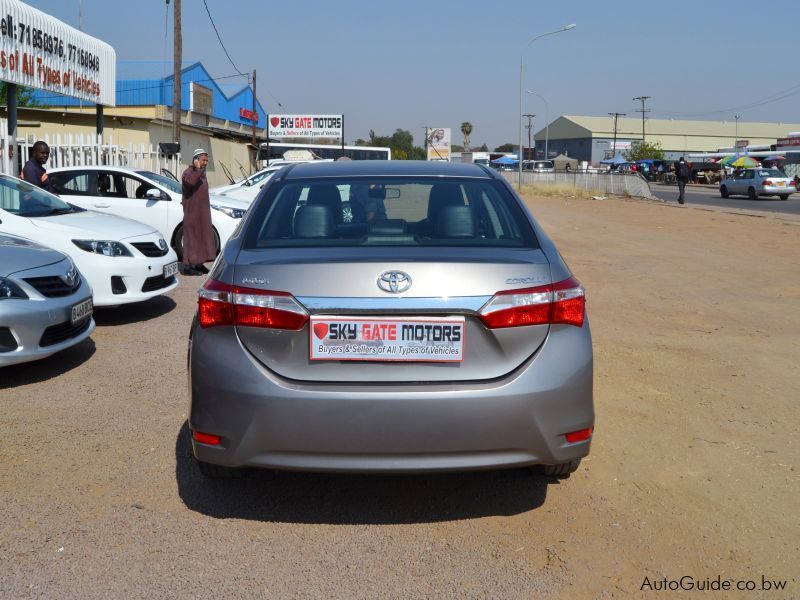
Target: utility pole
736, 141
643, 99
529, 126
176, 77
255, 114
616, 115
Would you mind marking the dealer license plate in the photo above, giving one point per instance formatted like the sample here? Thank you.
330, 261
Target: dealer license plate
420, 339
171, 269
82, 310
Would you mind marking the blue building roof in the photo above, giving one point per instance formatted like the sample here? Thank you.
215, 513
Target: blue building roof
146, 92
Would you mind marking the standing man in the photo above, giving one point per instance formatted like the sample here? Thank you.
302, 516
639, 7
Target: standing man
682, 175
34, 172
198, 235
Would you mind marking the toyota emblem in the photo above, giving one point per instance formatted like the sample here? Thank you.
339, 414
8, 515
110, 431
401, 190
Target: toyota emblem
394, 282
72, 273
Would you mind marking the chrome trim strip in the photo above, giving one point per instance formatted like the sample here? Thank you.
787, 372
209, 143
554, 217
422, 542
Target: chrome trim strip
458, 304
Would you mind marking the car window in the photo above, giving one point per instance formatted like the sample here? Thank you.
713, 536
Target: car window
387, 212
72, 183
25, 200
770, 173
167, 182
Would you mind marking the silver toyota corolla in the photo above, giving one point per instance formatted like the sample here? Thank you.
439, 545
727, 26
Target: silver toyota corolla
45, 304
383, 316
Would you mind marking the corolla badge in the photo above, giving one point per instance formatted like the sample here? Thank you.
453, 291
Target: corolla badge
394, 282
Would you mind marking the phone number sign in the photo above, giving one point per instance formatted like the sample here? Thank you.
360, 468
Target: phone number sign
39, 51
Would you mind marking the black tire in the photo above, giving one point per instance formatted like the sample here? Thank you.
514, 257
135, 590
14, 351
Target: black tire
211, 471
177, 241
561, 471
751, 193
723, 191
783, 196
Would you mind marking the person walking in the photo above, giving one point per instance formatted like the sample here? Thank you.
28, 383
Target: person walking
34, 172
682, 175
198, 235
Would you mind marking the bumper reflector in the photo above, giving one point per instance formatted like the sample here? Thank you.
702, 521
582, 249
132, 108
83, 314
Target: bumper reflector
206, 438
580, 435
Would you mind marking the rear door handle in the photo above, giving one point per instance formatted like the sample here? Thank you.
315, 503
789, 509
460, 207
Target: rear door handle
102, 206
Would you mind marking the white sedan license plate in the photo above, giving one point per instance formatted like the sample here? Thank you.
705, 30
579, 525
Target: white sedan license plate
420, 339
171, 269
82, 310
781, 184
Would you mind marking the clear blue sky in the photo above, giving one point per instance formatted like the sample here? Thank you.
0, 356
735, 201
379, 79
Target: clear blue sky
411, 63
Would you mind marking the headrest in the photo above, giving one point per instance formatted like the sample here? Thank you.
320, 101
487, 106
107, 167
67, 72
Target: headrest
455, 222
314, 221
441, 195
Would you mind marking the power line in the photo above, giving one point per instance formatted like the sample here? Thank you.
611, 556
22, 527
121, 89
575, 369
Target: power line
781, 95
210, 18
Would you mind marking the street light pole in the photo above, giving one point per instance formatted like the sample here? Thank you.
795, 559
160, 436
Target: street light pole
547, 125
736, 141
521, 69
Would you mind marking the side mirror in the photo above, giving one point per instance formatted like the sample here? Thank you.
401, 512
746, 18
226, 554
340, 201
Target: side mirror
155, 194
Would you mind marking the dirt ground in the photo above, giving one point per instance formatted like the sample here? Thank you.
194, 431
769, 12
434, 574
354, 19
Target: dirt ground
694, 471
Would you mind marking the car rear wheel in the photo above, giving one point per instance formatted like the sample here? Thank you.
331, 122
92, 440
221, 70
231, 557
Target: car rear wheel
563, 470
783, 196
723, 191
177, 241
751, 193
218, 471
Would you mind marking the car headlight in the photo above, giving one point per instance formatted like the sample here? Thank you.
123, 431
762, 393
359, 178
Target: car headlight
104, 247
233, 213
9, 289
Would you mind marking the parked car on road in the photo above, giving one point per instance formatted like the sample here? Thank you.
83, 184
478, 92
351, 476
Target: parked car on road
437, 329
123, 260
757, 182
143, 196
538, 166
45, 303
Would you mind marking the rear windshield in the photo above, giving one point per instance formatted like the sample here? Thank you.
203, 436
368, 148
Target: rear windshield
388, 212
770, 173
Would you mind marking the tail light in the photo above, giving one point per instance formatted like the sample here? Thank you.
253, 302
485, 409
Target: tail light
767, 182
562, 302
222, 304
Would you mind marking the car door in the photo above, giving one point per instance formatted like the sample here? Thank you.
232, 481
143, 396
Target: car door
123, 194
735, 183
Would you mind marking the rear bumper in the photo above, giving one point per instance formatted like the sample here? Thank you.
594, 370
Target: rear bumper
775, 190
267, 421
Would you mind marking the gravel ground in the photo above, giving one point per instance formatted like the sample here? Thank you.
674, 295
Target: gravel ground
694, 469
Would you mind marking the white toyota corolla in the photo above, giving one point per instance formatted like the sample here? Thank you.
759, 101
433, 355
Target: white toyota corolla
123, 260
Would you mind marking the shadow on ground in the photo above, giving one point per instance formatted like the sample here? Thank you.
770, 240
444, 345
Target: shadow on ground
135, 312
344, 499
41, 370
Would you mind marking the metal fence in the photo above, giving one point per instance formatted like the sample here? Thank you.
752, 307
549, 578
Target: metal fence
629, 184
79, 149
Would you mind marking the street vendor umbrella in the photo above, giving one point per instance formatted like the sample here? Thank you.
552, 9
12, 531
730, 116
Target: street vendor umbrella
725, 161
505, 160
745, 161
774, 158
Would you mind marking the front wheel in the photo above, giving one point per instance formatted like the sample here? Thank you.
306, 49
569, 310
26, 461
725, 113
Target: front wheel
751, 193
723, 191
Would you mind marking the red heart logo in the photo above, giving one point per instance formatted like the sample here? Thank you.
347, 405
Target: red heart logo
320, 330
274, 121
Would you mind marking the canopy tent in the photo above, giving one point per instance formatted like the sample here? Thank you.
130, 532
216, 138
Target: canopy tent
617, 160
505, 160
562, 162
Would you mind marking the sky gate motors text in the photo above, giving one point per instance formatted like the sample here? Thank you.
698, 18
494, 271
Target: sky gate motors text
389, 331
311, 122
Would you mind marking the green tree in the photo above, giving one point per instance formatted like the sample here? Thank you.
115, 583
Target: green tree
483, 148
24, 95
642, 150
506, 148
466, 131
401, 142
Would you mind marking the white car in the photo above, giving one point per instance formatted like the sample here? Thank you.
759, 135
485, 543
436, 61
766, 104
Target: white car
45, 303
123, 260
247, 189
144, 196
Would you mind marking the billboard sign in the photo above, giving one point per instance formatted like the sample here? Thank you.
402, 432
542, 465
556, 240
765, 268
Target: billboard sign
311, 126
791, 142
248, 115
201, 99
39, 51
437, 143
742, 143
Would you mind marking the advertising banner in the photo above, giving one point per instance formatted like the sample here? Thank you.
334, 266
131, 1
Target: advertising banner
39, 51
312, 126
437, 143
